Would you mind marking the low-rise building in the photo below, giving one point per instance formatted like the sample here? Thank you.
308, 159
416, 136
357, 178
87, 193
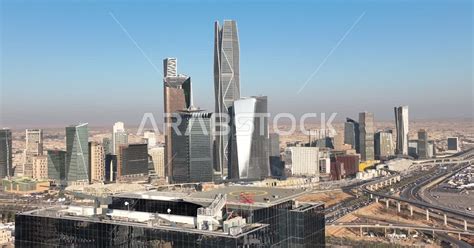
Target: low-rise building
24, 185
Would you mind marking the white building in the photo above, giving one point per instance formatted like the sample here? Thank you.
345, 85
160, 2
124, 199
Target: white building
401, 124
302, 161
119, 136
150, 138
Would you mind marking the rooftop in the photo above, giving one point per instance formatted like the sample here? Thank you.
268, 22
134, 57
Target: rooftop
85, 214
236, 195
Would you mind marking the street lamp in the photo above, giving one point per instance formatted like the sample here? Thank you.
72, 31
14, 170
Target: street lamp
128, 205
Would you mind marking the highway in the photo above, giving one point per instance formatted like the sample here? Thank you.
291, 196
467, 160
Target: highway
411, 195
400, 226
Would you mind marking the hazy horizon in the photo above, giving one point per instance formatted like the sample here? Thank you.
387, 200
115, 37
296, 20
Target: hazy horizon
70, 62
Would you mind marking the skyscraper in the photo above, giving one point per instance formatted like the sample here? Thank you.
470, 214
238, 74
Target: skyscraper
57, 165
5, 153
111, 165
366, 130
34, 142
351, 134
401, 124
249, 147
276, 165
177, 96
423, 148
77, 157
132, 161
96, 162
383, 145
226, 88
192, 147
108, 147
119, 136
33, 147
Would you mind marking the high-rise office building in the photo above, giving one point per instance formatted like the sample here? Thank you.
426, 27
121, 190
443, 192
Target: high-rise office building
40, 167
107, 144
149, 137
366, 132
401, 124
34, 142
453, 144
226, 88
302, 160
6, 153
77, 157
132, 160
249, 147
119, 136
57, 165
413, 148
33, 147
177, 97
157, 155
383, 147
96, 162
277, 168
351, 134
423, 145
192, 147
111, 165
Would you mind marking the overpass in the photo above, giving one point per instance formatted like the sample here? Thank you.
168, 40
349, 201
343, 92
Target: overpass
400, 226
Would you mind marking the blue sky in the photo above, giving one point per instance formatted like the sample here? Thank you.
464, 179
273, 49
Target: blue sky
64, 62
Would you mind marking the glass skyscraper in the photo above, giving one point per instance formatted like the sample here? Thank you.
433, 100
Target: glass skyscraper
226, 88
401, 124
249, 147
57, 165
177, 97
5, 153
132, 160
77, 153
351, 134
192, 147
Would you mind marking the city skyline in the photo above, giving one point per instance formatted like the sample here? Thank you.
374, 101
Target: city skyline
275, 68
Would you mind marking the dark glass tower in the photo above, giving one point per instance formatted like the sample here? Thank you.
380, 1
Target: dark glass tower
226, 88
192, 147
5, 153
132, 160
57, 165
351, 134
77, 153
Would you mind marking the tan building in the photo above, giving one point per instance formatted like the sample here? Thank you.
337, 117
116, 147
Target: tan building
157, 155
40, 167
24, 185
96, 162
34, 147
